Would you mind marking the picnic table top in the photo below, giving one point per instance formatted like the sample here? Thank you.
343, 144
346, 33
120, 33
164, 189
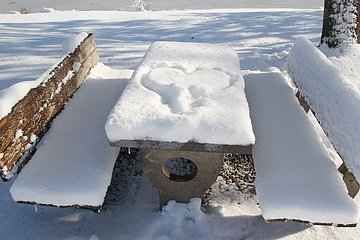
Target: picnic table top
190, 94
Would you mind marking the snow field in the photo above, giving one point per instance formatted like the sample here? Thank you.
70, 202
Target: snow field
181, 92
332, 96
73, 164
153, 5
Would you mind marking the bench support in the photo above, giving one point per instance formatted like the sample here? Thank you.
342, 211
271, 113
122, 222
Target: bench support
208, 165
351, 184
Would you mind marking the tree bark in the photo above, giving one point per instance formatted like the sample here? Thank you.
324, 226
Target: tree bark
358, 21
327, 23
340, 22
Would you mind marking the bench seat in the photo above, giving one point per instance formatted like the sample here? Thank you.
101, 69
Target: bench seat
74, 162
295, 176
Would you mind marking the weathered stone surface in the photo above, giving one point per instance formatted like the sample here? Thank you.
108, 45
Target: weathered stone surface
208, 167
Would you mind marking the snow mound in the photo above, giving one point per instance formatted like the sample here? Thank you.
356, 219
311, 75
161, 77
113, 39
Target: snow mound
333, 97
47, 10
295, 176
14, 12
182, 92
73, 164
187, 220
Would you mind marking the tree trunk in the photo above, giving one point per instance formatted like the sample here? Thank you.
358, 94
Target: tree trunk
358, 21
340, 22
327, 23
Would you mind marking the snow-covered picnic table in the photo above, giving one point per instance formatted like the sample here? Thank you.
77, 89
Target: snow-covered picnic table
184, 92
189, 98
184, 107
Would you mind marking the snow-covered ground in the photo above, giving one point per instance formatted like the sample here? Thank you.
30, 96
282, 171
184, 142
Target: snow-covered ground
262, 38
155, 5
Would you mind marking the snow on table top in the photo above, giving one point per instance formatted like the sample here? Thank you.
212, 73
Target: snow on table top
332, 96
73, 164
184, 92
295, 176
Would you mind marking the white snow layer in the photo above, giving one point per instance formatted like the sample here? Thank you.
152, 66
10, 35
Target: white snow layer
73, 164
72, 42
347, 60
13, 94
184, 92
295, 177
332, 96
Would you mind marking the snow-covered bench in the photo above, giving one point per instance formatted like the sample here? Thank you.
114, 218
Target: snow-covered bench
335, 102
295, 176
27, 108
73, 163
185, 100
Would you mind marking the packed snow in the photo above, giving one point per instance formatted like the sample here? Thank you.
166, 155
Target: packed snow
31, 43
72, 149
332, 96
295, 177
180, 93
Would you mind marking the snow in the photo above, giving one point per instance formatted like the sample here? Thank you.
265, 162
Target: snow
177, 95
31, 43
33, 138
18, 134
73, 163
47, 10
288, 150
333, 97
76, 66
346, 60
72, 42
154, 5
13, 94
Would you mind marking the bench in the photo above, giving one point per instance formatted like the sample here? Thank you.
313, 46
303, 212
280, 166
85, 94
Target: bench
295, 177
28, 120
334, 101
72, 165
184, 107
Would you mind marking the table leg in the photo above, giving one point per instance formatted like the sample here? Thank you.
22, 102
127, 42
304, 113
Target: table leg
198, 171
